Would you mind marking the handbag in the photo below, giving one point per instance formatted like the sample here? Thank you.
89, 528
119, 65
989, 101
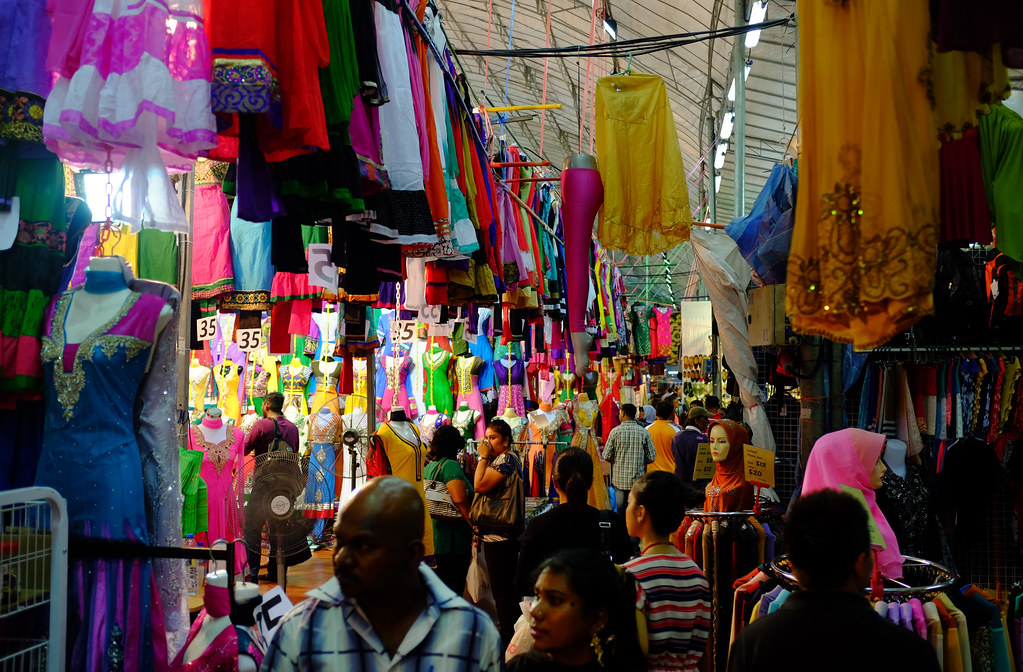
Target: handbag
500, 512
438, 499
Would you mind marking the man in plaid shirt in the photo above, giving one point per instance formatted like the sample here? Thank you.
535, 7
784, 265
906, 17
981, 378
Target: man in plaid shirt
629, 449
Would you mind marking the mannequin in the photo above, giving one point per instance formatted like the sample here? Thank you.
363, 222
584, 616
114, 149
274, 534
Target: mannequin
583, 193
465, 419
215, 621
328, 373
222, 449
295, 377
399, 440
436, 362
895, 457
198, 383
430, 422
467, 371
728, 490
323, 438
585, 410
101, 297
511, 377
544, 425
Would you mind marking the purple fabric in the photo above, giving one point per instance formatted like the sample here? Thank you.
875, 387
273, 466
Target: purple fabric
906, 616
257, 196
418, 100
24, 31
85, 250
893, 612
919, 620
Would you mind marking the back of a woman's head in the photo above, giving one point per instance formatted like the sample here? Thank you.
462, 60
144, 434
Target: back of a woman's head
573, 473
664, 498
602, 585
447, 441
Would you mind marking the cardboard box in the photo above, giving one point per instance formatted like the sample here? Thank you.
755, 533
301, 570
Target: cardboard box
767, 315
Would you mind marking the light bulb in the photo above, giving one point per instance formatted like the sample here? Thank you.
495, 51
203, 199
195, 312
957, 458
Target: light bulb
757, 15
726, 125
717, 183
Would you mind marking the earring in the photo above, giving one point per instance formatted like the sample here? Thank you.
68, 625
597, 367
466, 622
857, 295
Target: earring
598, 649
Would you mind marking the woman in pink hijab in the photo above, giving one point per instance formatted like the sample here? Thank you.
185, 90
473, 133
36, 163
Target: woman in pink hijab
852, 457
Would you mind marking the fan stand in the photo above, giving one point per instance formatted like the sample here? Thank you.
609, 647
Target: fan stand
282, 569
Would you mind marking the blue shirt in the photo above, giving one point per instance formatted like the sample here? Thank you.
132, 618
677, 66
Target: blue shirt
330, 632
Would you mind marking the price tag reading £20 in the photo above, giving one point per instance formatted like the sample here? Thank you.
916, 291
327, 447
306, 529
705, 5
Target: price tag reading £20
759, 466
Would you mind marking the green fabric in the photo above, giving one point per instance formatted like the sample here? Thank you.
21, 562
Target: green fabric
339, 81
158, 256
450, 536
1001, 158
194, 512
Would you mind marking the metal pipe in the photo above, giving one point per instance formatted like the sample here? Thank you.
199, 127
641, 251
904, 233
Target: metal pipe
519, 108
739, 129
524, 164
712, 173
531, 179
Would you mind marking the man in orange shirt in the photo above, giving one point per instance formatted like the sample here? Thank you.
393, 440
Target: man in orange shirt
662, 431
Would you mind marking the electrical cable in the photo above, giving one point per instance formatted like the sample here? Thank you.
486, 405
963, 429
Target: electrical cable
637, 46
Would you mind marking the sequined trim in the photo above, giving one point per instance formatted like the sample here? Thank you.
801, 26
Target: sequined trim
21, 116
69, 384
245, 86
219, 453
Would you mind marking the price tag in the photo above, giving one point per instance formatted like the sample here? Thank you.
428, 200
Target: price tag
322, 271
270, 612
403, 331
206, 327
705, 467
759, 466
441, 329
429, 314
249, 340
875, 532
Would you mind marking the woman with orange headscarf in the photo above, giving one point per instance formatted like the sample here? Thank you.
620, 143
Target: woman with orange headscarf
728, 490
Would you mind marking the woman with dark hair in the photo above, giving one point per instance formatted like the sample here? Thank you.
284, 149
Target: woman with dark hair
582, 618
452, 539
675, 596
497, 465
572, 523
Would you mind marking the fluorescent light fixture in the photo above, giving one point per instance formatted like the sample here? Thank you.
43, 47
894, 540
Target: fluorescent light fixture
717, 183
611, 28
757, 15
96, 193
726, 125
731, 89
719, 158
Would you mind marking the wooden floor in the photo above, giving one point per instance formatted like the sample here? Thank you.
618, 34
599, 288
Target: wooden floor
303, 578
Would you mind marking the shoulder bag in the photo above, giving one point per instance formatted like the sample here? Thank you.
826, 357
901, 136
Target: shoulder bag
438, 499
501, 510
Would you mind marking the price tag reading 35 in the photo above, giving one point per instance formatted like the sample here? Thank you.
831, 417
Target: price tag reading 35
403, 331
249, 339
206, 328
759, 466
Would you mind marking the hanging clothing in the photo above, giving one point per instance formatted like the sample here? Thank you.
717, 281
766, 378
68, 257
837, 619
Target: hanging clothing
324, 432
438, 386
646, 199
212, 265
511, 383
294, 377
861, 267
585, 414
1001, 156
765, 234
466, 372
221, 462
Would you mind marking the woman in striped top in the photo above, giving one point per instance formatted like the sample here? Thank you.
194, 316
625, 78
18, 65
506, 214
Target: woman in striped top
672, 591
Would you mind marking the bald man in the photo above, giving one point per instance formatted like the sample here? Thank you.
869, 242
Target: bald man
384, 609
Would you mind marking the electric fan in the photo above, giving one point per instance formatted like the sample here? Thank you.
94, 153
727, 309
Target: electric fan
274, 486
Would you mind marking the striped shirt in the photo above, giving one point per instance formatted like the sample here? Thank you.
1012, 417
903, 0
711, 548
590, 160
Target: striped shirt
674, 596
330, 632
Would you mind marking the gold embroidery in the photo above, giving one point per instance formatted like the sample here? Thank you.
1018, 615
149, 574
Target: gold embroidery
69, 384
218, 453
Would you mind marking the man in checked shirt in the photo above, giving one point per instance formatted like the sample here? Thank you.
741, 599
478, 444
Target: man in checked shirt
384, 610
629, 449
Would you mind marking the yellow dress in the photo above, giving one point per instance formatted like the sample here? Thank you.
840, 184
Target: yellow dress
965, 85
198, 383
407, 460
646, 200
227, 379
861, 266
124, 243
295, 377
585, 413
360, 388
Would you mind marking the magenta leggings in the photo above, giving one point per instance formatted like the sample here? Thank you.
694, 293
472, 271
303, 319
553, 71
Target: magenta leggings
583, 193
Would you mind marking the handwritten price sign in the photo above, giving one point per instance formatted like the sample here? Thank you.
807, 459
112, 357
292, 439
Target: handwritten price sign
759, 466
705, 467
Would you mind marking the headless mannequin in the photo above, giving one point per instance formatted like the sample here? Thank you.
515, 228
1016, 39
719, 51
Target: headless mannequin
895, 456
401, 426
509, 414
213, 428
582, 193
216, 621
95, 304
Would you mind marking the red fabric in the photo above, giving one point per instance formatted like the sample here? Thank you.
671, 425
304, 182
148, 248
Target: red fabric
280, 318
301, 314
965, 217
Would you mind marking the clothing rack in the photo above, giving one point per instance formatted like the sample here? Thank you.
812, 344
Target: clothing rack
929, 577
87, 548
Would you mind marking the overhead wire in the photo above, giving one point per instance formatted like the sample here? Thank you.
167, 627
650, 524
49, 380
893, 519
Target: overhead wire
636, 46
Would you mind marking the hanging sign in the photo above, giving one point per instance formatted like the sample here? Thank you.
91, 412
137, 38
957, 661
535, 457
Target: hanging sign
270, 611
429, 314
403, 331
322, 271
206, 328
705, 467
249, 340
759, 466
441, 329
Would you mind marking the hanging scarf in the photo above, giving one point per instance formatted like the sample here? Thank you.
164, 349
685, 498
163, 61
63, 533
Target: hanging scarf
847, 457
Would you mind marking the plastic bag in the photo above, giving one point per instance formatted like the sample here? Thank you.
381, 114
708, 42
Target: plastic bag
477, 582
522, 640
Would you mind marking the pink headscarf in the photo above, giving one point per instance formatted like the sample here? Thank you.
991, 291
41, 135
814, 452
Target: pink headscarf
847, 457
